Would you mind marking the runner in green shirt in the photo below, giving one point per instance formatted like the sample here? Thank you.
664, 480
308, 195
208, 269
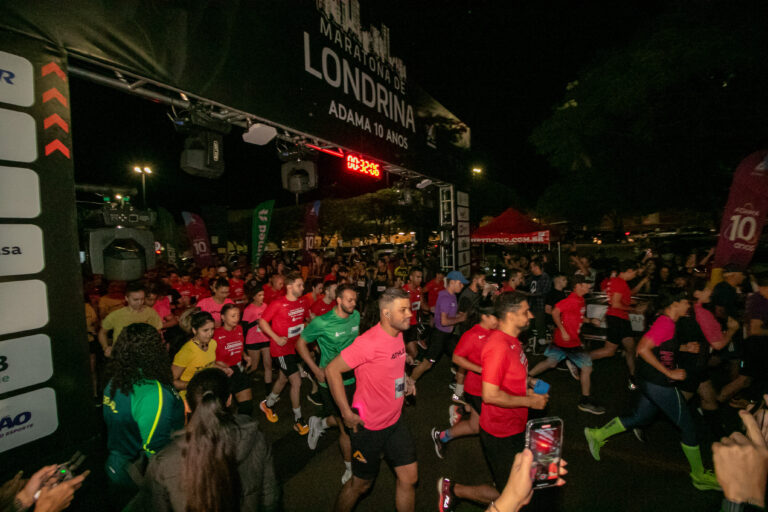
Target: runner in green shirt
333, 332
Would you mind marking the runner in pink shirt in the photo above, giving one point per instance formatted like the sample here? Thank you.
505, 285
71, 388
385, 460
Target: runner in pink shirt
378, 359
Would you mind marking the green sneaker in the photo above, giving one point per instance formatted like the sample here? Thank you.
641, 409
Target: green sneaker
593, 442
706, 481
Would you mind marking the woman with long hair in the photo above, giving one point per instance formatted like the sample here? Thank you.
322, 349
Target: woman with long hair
141, 408
220, 462
196, 354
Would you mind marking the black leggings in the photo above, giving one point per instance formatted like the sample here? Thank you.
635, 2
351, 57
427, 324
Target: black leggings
668, 399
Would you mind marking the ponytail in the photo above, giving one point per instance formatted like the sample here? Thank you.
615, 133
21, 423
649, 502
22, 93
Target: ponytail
210, 478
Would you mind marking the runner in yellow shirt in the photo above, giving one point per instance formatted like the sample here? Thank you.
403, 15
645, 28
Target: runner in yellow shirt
196, 354
134, 313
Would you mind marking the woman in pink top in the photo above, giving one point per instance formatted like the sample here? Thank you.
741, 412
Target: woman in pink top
256, 342
214, 303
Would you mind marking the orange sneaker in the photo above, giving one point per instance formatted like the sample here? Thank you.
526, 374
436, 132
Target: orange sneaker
301, 427
271, 416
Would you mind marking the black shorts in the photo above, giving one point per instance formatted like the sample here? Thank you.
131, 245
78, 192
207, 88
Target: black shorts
257, 346
754, 361
288, 364
412, 334
500, 454
618, 329
474, 402
439, 343
394, 442
330, 408
239, 380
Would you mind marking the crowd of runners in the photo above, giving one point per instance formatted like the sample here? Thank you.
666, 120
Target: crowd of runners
186, 364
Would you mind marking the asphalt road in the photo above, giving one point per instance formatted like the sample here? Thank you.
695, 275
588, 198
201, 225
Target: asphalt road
632, 476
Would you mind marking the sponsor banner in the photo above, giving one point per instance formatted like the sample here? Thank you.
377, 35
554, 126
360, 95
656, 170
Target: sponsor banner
262, 216
311, 219
198, 237
745, 212
25, 362
166, 232
338, 72
538, 237
28, 417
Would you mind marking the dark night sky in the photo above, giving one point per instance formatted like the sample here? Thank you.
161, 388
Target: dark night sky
500, 66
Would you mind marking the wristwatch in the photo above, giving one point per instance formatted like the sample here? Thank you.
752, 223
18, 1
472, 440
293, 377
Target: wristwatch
732, 506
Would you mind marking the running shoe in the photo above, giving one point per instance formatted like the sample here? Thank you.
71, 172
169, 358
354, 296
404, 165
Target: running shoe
454, 370
639, 434
455, 413
594, 443
706, 481
315, 431
459, 399
301, 427
561, 366
573, 369
452, 386
591, 407
346, 476
439, 446
271, 416
445, 492
631, 384
315, 398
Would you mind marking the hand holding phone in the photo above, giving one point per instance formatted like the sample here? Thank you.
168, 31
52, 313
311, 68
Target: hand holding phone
544, 437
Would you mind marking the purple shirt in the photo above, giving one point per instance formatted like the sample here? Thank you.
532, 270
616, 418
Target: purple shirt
757, 308
446, 303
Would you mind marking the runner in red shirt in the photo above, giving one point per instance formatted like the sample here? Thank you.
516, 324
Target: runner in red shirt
378, 359
326, 302
315, 286
274, 288
237, 289
617, 319
283, 322
256, 342
513, 282
568, 316
229, 353
432, 288
466, 355
507, 395
200, 290
412, 336
186, 289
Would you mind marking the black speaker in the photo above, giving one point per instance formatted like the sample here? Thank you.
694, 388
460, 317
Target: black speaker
203, 155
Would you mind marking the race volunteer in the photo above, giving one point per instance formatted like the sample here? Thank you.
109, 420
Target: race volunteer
378, 358
568, 317
283, 322
136, 312
333, 332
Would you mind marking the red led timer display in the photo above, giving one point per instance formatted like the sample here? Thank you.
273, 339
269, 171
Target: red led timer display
363, 166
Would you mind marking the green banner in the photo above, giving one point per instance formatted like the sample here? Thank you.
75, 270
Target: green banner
262, 214
167, 234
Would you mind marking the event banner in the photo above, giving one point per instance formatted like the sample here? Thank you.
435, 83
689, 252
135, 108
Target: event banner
326, 68
262, 215
745, 212
311, 227
198, 238
166, 232
45, 388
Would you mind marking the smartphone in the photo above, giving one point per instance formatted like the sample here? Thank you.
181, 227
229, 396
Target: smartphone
544, 437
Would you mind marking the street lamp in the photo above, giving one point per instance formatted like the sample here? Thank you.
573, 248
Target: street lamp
143, 171
477, 170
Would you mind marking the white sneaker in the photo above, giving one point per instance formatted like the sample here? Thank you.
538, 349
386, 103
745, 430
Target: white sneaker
315, 431
573, 369
346, 476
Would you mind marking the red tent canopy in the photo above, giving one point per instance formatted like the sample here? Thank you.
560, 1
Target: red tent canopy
511, 227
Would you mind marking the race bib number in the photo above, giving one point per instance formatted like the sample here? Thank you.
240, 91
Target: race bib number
415, 305
295, 330
381, 288
361, 284
400, 387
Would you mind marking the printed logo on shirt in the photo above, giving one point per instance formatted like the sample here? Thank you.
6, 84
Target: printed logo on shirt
342, 333
415, 305
399, 353
356, 328
359, 457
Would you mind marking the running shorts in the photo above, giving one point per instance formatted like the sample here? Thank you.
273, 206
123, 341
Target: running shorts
618, 329
330, 408
239, 380
500, 454
288, 364
439, 343
257, 346
394, 443
576, 355
474, 402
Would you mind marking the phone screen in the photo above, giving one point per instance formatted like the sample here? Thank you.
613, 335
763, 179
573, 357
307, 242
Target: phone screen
544, 437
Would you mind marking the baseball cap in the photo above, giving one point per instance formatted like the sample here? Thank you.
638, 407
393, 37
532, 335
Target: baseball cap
455, 275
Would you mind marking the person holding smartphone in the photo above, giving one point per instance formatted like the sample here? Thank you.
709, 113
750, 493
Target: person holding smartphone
658, 375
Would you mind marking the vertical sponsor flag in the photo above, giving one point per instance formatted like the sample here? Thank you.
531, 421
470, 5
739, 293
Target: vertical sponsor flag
198, 237
167, 234
745, 212
310, 230
262, 215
